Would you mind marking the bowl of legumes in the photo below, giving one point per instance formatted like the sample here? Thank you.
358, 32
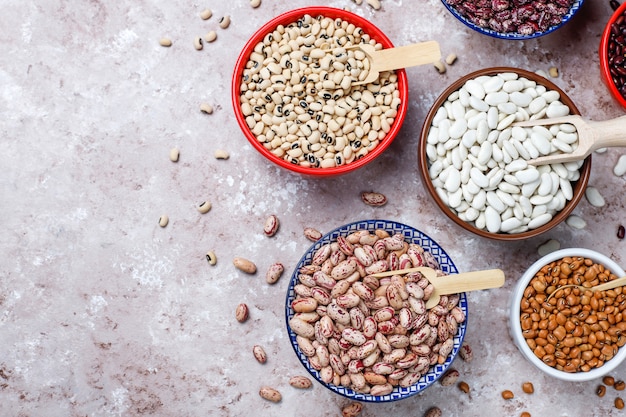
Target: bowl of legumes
294, 96
474, 159
570, 333
513, 19
370, 337
613, 55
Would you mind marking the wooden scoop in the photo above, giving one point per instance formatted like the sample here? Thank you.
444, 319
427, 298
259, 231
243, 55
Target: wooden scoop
396, 58
455, 283
619, 282
591, 136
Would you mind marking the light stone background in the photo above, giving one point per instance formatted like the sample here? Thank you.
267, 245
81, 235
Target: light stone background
104, 313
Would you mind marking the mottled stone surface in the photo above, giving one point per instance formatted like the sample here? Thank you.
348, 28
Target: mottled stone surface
104, 313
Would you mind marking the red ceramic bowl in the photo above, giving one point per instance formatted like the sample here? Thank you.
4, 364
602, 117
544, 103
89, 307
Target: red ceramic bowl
286, 19
605, 69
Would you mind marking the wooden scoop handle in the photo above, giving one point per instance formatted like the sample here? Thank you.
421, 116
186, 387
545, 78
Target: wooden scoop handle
403, 56
468, 281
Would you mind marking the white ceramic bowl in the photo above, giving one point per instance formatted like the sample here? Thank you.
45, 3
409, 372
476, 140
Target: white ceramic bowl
514, 315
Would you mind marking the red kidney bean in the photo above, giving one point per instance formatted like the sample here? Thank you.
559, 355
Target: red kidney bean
506, 16
614, 4
616, 50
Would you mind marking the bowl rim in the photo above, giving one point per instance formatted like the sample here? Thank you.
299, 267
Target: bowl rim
514, 314
448, 266
604, 56
290, 17
578, 189
576, 5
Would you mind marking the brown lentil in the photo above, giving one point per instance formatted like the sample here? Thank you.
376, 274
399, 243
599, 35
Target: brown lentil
569, 329
507, 394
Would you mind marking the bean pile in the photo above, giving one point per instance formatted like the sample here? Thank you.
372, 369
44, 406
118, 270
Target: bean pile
478, 161
367, 333
506, 16
617, 53
298, 99
569, 329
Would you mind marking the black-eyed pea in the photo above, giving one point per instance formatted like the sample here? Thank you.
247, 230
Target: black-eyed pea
221, 154
374, 4
244, 265
210, 36
174, 154
301, 382
206, 108
167, 42
440, 67
224, 22
163, 220
274, 272
211, 258
451, 59
206, 14
204, 207
259, 354
197, 43
270, 394
242, 312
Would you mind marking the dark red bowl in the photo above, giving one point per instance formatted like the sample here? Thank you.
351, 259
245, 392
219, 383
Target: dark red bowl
288, 18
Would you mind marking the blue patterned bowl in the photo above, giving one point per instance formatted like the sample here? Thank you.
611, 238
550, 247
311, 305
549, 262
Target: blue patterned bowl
512, 35
411, 235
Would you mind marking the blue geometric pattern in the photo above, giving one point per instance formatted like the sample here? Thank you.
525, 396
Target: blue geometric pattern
411, 235
514, 35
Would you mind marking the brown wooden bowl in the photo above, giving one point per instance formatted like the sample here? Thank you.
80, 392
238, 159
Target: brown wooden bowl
578, 186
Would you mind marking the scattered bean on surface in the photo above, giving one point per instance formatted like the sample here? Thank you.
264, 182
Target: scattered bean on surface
619, 403
478, 161
270, 394
352, 410
600, 391
620, 232
567, 328
211, 258
204, 207
464, 386
255, 3
433, 412
525, 414
244, 265
167, 42
451, 58
576, 222
312, 234
373, 199
206, 108
270, 227
242, 312
174, 154
316, 117
548, 247
210, 36
608, 380
197, 43
274, 272
221, 154
553, 72
619, 385
620, 167
375, 4
465, 352
259, 354
528, 387
163, 220
206, 14
449, 378
379, 326
441, 69
224, 22
507, 394
300, 381
594, 197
